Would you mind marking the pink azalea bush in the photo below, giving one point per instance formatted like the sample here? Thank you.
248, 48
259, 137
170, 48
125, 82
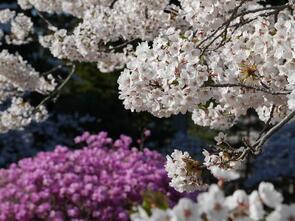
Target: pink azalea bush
102, 181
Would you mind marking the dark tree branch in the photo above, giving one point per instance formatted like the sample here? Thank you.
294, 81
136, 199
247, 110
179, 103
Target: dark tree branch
58, 89
267, 91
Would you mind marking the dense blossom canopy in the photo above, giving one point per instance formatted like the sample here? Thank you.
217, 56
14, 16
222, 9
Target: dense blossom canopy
214, 59
175, 75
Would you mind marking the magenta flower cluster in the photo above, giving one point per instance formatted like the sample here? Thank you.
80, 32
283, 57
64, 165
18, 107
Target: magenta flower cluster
101, 181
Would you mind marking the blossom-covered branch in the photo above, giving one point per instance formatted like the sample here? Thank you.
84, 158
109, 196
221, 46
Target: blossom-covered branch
213, 59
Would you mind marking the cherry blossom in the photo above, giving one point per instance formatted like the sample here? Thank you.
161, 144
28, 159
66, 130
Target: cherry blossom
184, 172
17, 77
214, 205
269, 195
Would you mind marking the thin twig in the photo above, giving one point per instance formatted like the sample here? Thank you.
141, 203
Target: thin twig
52, 70
122, 45
244, 154
234, 16
220, 27
226, 25
276, 8
59, 88
113, 3
49, 24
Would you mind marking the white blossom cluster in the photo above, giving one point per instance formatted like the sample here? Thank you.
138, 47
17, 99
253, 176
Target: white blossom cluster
221, 167
262, 204
125, 20
73, 7
206, 15
6, 15
16, 78
263, 55
212, 116
20, 74
185, 173
20, 114
84, 47
21, 26
174, 75
166, 78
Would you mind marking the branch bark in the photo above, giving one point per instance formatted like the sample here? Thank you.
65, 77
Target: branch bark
274, 129
267, 91
257, 147
59, 88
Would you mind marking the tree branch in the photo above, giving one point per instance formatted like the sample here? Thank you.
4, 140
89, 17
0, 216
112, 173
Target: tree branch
59, 88
267, 91
49, 24
274, 129
256, 148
